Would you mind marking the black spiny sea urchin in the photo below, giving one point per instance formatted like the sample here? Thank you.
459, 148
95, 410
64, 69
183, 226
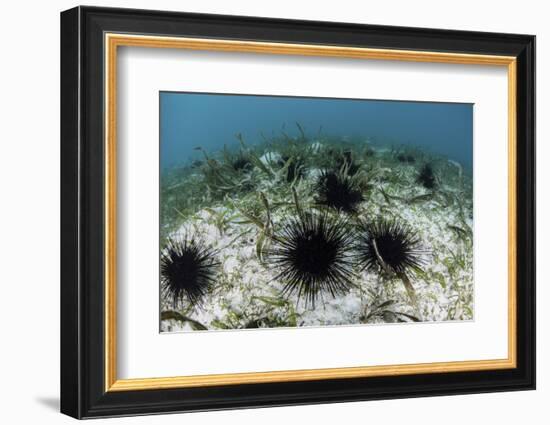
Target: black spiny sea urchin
426, 177
312, 255
241, 162
187, 269
338, 191
389, 245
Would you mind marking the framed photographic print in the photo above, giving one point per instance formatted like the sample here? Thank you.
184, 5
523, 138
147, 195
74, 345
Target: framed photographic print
261, 212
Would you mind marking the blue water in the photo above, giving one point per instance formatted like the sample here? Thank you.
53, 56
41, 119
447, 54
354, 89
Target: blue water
189, 120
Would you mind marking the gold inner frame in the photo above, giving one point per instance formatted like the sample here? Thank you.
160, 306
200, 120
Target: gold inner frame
113, 41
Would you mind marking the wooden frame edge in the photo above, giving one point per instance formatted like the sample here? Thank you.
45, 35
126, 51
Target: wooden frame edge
306, 375
114, 40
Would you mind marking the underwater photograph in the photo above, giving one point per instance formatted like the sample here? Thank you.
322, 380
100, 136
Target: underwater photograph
283, 211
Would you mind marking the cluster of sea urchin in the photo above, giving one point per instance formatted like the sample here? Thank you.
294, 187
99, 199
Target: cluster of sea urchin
338, 191
389, 245
187, 269
312, 254
316, 254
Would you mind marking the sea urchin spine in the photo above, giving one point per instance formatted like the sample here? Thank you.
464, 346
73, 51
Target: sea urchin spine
188, 269
312, 254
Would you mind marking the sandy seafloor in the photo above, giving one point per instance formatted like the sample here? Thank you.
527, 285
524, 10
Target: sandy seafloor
246, 294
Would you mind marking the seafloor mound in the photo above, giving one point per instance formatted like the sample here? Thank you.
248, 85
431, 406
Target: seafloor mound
284, 221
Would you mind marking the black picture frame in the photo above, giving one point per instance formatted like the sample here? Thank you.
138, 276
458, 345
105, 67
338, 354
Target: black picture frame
83, 392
